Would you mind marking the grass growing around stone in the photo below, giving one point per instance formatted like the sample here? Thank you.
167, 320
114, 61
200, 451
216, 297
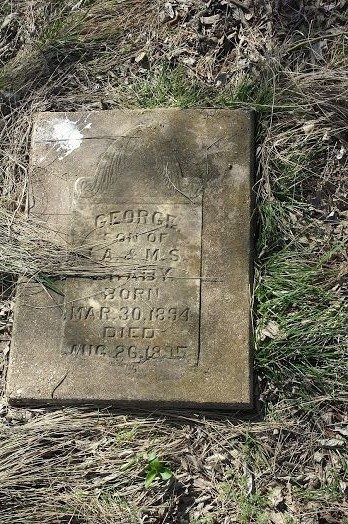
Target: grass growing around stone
288, 61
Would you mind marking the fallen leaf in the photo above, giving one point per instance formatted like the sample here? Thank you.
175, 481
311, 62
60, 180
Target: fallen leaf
343, 486
271, 330
308, 128
342, 430
331, 443
169, 9
210, 20
341, 153
318, 457
140, 57
277, 518
275, 496
8, 19
217, 457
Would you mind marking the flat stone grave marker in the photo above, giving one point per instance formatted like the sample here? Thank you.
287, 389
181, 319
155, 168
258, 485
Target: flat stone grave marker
156, 310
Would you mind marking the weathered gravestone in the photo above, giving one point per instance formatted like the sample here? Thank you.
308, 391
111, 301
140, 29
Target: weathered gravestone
157, 308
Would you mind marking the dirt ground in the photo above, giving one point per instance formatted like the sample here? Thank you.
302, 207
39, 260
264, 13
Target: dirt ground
287, 60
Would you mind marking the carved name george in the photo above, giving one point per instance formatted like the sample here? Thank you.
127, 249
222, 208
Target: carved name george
136, 216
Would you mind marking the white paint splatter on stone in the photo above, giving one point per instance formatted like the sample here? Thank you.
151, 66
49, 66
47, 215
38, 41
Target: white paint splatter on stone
63, 133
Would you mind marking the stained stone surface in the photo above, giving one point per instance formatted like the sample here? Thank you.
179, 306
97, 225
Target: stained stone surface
156, 310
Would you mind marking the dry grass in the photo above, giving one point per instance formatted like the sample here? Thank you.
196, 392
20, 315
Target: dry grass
288, 60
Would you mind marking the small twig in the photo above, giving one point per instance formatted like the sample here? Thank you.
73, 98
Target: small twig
315, 39
178, 190
59, 384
